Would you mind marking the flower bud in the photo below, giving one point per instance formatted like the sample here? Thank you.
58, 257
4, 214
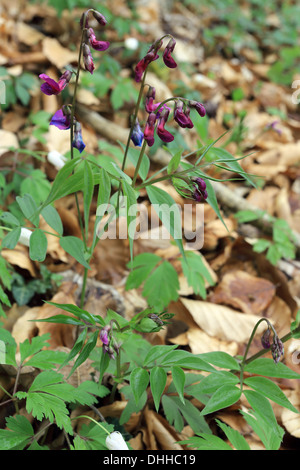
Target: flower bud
78, 142
115, 441
137, 134
100, 18
198, 106
265, 339
277, 349
200, 192
87, 58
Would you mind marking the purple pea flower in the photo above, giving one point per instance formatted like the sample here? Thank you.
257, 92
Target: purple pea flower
145, 61
51, 87
167, 58
150, 97
104, 336
200, 193
162, 133
149, 129
78, 142
100, 18
94, 43
87, 58
137, 135
198, 106
182, 117
61, 119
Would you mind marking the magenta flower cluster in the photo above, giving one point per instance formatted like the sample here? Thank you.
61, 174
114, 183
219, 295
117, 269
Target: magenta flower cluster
152, 55
91, 40
159, 114
62, 118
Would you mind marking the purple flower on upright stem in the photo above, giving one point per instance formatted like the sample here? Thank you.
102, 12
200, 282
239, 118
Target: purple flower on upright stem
51, 87
200, 193
78, 142
198, 106
182, 117
104, 335
149, 129
62, 119
167, 57
137, 135
150, 97
145, 61
87, 58
94, 43
162, 133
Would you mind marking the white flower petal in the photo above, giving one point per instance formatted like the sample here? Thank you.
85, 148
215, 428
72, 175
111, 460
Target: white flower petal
115, 441
57, 159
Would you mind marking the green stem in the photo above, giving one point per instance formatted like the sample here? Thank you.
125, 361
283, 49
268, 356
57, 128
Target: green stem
94, 421
133, 120
139, 163
83, 288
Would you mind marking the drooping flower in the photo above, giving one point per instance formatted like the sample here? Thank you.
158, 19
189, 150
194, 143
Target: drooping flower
61, 119
115, 441
137, 135
162, 133
198, 106
150, 97
265, 339
94, 43
145, 61
167, 57
182, 117
149, 129
99, 17
104, 335
78, 142
87, 58
277, 349
51, 87
200, 192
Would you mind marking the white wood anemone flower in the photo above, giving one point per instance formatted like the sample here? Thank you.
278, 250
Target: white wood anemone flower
115, 441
